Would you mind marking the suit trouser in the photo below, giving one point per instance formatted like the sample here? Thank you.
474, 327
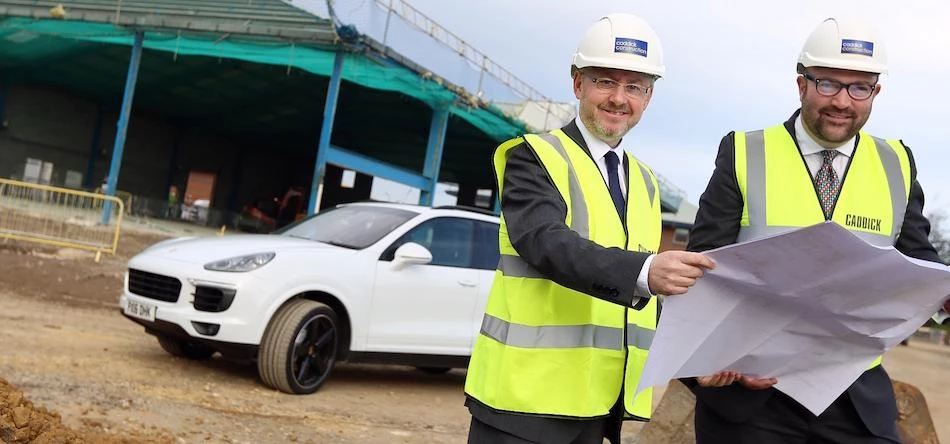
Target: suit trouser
481, 433
782, 420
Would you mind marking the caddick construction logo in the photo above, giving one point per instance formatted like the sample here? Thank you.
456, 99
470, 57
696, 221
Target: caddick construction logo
859, 47
630, 46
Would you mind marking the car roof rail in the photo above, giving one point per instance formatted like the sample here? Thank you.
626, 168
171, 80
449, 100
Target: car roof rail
472, 209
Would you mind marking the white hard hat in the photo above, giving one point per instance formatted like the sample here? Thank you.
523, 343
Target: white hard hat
845, 45
621, 41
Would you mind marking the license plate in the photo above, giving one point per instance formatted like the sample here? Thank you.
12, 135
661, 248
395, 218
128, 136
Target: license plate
140, 310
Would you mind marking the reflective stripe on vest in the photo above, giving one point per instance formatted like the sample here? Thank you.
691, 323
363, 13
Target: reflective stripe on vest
756, 201
639, 337
649, 183
565, 336
579, 218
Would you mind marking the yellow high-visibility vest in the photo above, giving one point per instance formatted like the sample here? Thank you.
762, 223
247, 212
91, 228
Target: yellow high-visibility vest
548, 350
779, 195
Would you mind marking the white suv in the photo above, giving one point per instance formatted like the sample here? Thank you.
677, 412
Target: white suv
366, 282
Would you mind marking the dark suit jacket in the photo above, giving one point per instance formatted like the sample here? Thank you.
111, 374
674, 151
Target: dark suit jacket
717, 224
534, 214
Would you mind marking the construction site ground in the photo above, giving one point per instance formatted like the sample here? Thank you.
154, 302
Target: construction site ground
77, 369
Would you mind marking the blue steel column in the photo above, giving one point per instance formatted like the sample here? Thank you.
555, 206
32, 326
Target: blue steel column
329, 114
123, 124
437, 129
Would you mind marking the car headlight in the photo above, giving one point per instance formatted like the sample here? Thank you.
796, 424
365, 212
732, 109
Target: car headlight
241, 264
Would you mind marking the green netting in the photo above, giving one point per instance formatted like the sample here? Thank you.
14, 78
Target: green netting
33, 39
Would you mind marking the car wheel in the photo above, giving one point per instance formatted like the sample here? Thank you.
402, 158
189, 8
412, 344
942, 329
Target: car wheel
299, 347
434, 370
184, 349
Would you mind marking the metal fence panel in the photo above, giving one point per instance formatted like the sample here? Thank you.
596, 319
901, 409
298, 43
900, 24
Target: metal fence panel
59, 216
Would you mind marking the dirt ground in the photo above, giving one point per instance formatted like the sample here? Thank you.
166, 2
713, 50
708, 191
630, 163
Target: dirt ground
74, 370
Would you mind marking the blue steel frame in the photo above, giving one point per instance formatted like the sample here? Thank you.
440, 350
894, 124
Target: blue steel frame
327, 153
437, 130
326, 130
368, 165
123, 124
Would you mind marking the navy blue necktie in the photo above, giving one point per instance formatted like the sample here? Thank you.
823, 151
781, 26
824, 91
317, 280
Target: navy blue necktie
613, 182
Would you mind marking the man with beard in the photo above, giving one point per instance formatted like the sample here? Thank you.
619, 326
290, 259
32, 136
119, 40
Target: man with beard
571, 313
817, 166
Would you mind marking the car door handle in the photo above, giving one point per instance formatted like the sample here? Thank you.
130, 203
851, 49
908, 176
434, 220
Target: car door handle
466, 283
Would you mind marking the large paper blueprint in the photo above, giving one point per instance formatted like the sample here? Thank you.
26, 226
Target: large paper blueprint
813, 307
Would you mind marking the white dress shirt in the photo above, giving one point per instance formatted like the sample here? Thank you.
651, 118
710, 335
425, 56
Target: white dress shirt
811, 151
598, 149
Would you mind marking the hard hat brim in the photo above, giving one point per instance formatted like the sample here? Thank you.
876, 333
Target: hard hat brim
857, 65
580, 61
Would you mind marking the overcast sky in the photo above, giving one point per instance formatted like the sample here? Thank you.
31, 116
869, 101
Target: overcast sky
730, 66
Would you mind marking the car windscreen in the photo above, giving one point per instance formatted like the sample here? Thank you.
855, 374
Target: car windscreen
350, 226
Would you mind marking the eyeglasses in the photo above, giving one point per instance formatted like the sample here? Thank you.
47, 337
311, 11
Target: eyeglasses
826, 87
632, 90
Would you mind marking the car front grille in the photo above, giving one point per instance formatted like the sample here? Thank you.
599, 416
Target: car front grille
154, 286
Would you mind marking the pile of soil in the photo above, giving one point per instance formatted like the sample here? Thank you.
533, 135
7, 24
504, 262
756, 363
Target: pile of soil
22, 422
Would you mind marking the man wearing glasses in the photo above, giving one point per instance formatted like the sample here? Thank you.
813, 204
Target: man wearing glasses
817, 166
571, 313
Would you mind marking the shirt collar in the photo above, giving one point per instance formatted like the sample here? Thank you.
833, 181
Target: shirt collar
598, 148
808, 145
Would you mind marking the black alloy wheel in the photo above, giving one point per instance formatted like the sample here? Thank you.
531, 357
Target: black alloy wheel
299, 347
314, 352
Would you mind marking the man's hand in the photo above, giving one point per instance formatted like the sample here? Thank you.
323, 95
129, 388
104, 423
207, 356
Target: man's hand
719, 379
673, 272
757, 383
725, 378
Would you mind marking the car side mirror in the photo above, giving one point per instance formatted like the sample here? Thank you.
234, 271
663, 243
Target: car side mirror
411, 253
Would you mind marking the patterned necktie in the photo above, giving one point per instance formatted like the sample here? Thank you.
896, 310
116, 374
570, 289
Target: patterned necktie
613, 182
827, 182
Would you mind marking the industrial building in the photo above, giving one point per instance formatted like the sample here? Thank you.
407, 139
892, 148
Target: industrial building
222, 103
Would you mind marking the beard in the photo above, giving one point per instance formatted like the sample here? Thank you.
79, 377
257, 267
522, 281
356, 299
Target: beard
599, 129
829, 132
